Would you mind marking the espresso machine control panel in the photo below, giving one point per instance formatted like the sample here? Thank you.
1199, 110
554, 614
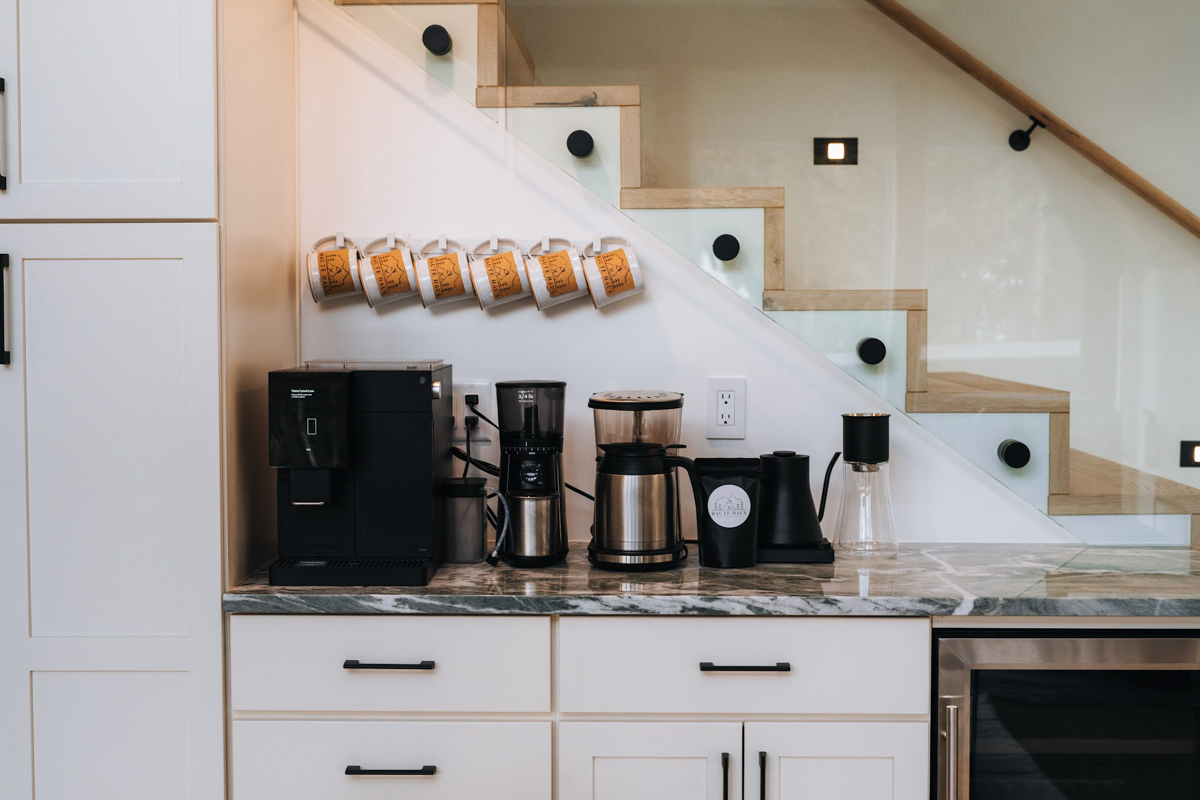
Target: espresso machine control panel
309, 419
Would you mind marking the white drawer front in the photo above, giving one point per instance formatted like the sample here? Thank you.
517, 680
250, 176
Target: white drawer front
652, 665
296, 663
308, 760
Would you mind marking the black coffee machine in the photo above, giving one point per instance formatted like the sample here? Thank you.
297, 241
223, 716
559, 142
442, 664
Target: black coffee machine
530, 416
360, 455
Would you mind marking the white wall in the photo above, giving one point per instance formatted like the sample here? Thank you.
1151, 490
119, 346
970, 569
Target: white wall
1040, 268
418, 160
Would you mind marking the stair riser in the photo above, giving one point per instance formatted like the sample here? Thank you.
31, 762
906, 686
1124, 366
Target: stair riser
546, 131
977, 436
691, 231
836, 334
401, 27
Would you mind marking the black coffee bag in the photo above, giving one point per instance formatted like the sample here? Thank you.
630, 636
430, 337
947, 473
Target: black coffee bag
728, 527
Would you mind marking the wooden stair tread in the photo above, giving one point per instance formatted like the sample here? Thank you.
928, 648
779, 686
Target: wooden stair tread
966, 393
845, 300
747, 197
557, 96
1100, 486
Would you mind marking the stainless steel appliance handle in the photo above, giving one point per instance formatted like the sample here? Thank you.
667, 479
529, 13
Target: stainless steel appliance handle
308, 503
354, 769
724, 776
5, 356
3, 138
951, 752
352, 663
778, 666
762, 775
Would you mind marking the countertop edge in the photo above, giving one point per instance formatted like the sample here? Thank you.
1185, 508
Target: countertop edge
704, 605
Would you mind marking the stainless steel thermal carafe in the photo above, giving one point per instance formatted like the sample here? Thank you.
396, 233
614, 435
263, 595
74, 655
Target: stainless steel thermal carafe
635, 525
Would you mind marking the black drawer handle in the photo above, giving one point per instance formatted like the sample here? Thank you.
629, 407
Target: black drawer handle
357, 770
762, 775
779, 666
353, 663
5, 356
724, 776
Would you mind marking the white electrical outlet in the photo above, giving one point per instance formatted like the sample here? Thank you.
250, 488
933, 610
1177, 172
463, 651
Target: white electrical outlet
486, 406
726, 409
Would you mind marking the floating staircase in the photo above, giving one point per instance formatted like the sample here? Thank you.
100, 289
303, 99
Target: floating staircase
1069, 483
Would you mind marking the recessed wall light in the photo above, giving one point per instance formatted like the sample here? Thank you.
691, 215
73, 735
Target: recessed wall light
1189, 454
835, 151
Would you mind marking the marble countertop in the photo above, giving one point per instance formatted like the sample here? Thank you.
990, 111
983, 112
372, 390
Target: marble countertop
923, 580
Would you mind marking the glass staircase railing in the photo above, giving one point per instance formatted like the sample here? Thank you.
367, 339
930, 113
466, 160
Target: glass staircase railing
1011, 291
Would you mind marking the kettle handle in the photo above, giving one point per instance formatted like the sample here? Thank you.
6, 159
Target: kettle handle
690, 466
825, 488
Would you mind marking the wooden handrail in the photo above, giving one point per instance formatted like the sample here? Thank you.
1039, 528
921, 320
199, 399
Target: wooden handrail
1030, 107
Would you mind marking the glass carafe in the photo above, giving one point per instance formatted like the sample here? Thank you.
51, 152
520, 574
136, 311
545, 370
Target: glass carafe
865, 525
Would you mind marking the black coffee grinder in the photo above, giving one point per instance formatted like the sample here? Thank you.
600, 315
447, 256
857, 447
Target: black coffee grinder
530, 417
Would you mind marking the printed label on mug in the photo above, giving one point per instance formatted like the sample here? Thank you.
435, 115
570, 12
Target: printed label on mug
390, 273
729, 505
446, 276
559, 273
334, 266
614, 269
502, 275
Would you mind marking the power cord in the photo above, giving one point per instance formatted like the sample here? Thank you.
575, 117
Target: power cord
471, 423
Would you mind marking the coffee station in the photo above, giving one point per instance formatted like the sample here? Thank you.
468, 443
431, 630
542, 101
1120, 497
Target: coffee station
350, 443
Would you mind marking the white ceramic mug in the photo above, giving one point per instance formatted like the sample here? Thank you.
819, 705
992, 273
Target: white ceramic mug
443, 277
555, 276
612, 274
387, 275
333, 271
498, 273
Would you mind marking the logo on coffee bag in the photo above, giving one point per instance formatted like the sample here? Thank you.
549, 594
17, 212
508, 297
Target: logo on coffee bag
729, 505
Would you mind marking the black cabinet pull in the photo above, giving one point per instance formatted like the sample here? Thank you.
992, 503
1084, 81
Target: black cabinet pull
357, 770
762, 775
3, 139
352, 663
5, 356
779, 666
724, 776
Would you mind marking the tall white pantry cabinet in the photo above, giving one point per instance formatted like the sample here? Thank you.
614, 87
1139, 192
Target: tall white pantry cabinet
110, 402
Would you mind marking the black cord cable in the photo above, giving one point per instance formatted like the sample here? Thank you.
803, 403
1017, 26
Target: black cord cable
577, 490
475, 411
467, 460
483, 466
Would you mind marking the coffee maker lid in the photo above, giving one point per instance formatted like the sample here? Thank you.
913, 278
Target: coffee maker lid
636, 400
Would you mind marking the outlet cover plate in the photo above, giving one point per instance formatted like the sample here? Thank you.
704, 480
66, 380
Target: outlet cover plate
715, 408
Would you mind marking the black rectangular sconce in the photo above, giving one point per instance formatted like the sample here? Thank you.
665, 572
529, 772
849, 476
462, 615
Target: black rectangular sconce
835, 151
1189, 454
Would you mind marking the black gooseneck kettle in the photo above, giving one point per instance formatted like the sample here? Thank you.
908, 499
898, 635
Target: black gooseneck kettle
789, 525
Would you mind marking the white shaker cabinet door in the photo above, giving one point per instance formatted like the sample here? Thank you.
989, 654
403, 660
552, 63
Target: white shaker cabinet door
649, 760
837, 760
109, 109
110, 523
